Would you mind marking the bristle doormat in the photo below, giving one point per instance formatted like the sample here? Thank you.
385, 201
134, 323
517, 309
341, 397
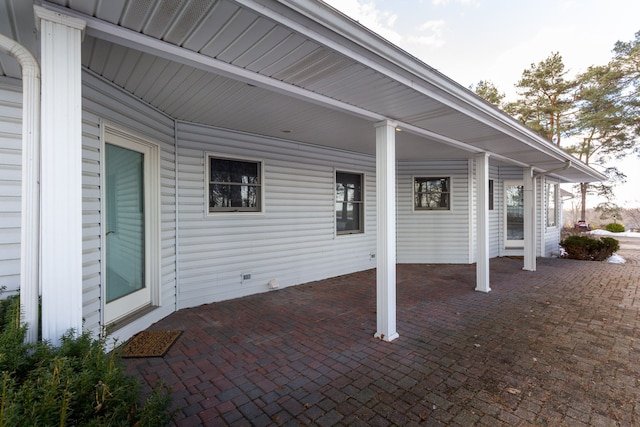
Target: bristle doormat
150, 344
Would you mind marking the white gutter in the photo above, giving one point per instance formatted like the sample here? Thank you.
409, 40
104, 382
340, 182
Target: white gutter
30, 209
566, 166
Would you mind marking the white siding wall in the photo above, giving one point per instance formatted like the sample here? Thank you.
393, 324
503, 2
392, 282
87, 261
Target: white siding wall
551, 235
472, 194
434, 236
495, 215
102, 101
292, 241
540, 216
10, 178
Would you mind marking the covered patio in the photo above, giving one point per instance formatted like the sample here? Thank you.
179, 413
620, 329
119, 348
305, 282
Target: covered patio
554, 347
307, 99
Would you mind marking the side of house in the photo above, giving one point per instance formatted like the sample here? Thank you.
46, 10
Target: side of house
10, 179
178, 170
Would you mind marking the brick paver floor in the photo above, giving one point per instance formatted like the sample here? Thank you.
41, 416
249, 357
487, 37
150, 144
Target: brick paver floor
559, 346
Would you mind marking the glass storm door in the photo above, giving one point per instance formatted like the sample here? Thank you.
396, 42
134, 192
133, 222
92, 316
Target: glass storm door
514, 212
126, 227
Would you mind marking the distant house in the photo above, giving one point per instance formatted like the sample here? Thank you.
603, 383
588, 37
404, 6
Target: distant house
161, 155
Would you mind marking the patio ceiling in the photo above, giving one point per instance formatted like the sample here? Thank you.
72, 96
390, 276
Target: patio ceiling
291, 69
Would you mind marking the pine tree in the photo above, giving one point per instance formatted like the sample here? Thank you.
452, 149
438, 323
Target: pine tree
489, 92
602, 124
545, 98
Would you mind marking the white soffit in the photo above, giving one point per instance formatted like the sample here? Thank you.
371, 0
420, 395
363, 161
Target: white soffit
189, 57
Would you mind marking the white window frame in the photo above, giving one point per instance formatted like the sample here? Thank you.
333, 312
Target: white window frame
361, 203
428, 209
233, 211
509, 244
491, 190
556, 192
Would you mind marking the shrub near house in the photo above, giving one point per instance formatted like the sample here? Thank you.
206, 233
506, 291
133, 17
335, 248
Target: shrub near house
588, 248
75, 384
614, 227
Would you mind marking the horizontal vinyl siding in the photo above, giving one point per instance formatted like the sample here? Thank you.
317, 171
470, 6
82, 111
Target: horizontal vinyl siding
495, 215
495, 232
433, 236
102, 101
551, 235
292, 241
472, 192
540, 216
10, 188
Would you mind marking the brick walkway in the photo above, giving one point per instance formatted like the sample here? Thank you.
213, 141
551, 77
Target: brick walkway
548, 348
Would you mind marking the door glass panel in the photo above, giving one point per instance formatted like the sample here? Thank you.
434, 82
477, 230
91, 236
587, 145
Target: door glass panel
125, 222
515, 212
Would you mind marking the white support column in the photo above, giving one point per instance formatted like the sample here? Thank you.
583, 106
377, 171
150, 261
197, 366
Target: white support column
482, 223
61, 174
386, 233
529, 220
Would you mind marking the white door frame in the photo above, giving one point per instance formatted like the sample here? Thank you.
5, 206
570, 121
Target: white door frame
510, 244
150, 294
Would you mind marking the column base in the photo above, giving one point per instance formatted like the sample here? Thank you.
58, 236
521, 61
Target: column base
387, 338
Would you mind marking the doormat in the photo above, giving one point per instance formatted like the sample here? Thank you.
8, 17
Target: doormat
150, 344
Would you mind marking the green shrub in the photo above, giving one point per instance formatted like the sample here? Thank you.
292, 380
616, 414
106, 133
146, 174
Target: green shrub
588, 248
614, 227
77, 383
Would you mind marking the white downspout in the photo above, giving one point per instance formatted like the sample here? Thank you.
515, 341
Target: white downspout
30, 209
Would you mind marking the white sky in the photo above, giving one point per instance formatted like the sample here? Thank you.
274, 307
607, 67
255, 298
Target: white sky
473, 40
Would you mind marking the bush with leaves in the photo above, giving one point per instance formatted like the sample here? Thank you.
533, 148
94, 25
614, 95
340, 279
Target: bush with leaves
76, 384
588, 248
614, 227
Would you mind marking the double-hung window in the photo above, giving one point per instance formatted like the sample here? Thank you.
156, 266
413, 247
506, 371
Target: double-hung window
431, 193
349, 203
234, 185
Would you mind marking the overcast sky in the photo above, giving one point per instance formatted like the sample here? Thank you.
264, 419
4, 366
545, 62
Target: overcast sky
473, 40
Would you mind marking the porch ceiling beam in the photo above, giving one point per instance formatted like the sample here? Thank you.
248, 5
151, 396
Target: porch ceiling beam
458, 144
406, 69
134, 40
449, 93
131, 39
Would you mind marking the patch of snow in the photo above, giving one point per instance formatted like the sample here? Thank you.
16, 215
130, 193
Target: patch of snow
608, 233
616, 259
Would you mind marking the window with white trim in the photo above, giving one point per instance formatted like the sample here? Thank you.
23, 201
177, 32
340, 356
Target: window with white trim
552, 205
234, 185
431, 193
349, 203
491, 194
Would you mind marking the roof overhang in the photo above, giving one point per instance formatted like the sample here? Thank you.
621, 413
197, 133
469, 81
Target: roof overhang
298, 70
